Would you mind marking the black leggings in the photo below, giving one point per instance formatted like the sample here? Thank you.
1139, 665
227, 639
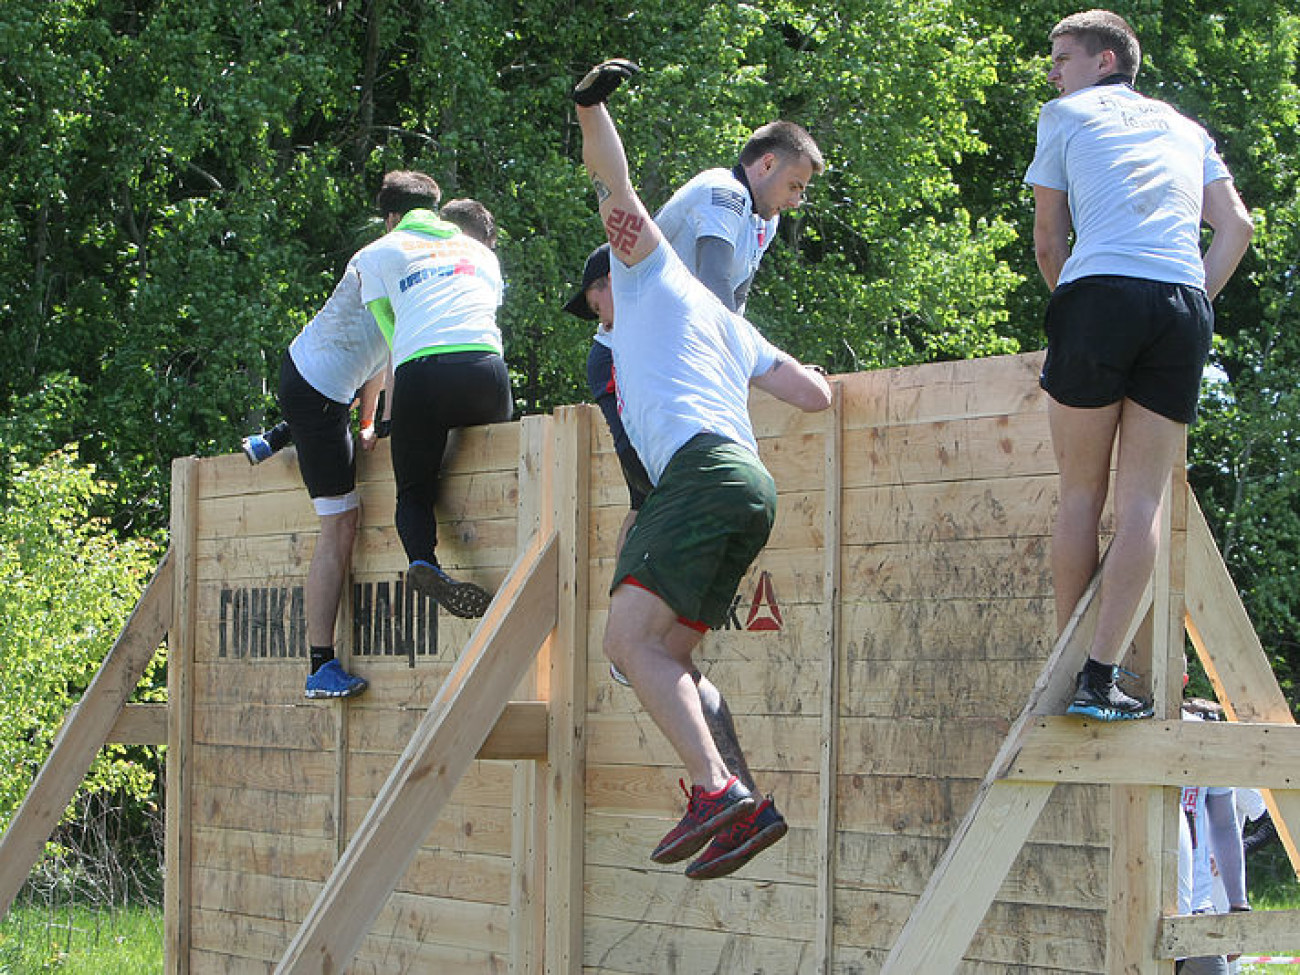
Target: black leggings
431, 396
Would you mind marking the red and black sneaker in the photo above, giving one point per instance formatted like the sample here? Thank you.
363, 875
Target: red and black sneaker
706, 813
734, 847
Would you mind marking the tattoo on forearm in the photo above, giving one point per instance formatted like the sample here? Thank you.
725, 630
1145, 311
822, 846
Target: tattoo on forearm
623, 229
602, 191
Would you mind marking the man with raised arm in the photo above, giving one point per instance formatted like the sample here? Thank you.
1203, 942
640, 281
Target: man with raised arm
684, 364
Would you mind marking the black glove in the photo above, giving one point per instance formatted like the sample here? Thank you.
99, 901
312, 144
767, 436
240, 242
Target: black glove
598, 83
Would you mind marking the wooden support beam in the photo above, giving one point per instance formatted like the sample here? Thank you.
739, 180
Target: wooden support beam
529, 802
182, 638
566, 771
83, 733
1167, 753
1190, 936
828, 769
458, 722
1234, 659
519, 734
140, 724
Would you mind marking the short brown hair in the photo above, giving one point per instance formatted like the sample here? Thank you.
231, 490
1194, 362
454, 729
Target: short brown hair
407, 189
785, 139
473, 218
1101, 30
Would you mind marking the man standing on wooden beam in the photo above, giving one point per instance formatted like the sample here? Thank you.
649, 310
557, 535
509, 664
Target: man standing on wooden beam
684, 363
1130, 320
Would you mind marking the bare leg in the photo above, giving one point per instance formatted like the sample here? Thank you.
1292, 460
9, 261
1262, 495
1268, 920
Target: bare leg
718, 717
1082, 440
644, 640
1148, 447
326, 574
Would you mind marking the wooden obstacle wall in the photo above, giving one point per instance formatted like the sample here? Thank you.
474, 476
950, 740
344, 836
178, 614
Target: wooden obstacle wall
879, 651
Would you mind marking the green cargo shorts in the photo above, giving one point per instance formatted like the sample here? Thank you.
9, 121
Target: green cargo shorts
701, 528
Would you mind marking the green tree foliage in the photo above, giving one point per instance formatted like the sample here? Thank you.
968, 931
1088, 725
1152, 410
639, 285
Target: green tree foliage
185, 181
188, 179
67, 585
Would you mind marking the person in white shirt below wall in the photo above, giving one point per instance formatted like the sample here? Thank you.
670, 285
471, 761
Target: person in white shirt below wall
1129, 321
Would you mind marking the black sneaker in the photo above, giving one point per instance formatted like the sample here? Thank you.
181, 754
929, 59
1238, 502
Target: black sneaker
463, 599
1100, 698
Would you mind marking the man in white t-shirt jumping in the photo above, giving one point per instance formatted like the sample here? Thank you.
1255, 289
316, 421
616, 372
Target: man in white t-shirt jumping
1130, 320
684, 364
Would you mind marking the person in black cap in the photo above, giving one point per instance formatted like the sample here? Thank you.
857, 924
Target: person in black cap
594, 302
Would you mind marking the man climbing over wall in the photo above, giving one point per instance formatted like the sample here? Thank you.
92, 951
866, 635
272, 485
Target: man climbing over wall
474, 219
340, 349
434, 292
684, 363
1130, 319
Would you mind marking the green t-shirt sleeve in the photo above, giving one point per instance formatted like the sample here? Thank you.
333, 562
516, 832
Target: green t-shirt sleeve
382, 309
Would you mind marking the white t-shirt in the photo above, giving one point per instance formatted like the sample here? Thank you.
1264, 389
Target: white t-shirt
682, 360
341, 347
715, 203
1135, 173
445, 287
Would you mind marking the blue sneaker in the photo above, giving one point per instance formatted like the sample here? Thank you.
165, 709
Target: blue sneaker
331, 680
256, 448
463, 599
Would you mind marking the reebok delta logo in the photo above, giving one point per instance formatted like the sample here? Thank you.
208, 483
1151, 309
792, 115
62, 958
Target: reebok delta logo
764, 613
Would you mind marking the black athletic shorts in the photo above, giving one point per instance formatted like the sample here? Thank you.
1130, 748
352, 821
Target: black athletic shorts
600, 380
321, 432
1111, 338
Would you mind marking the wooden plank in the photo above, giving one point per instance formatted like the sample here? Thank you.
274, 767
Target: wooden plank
567, 680
1135, 878
833, 666
470, 450
951, 450
1168, 753
84, 732
963, 886
1234, 659
1272, 932
520, 732
649, 949
177, 904
520, 618
140, 724
991, 386
1020, 937
529, 808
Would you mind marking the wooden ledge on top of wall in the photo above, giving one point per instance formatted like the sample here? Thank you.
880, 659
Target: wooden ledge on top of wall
520, 734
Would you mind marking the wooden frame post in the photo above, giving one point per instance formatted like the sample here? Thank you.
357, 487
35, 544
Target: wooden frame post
180, 725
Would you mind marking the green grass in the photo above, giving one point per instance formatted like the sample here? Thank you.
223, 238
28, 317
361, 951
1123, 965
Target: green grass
81, 939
